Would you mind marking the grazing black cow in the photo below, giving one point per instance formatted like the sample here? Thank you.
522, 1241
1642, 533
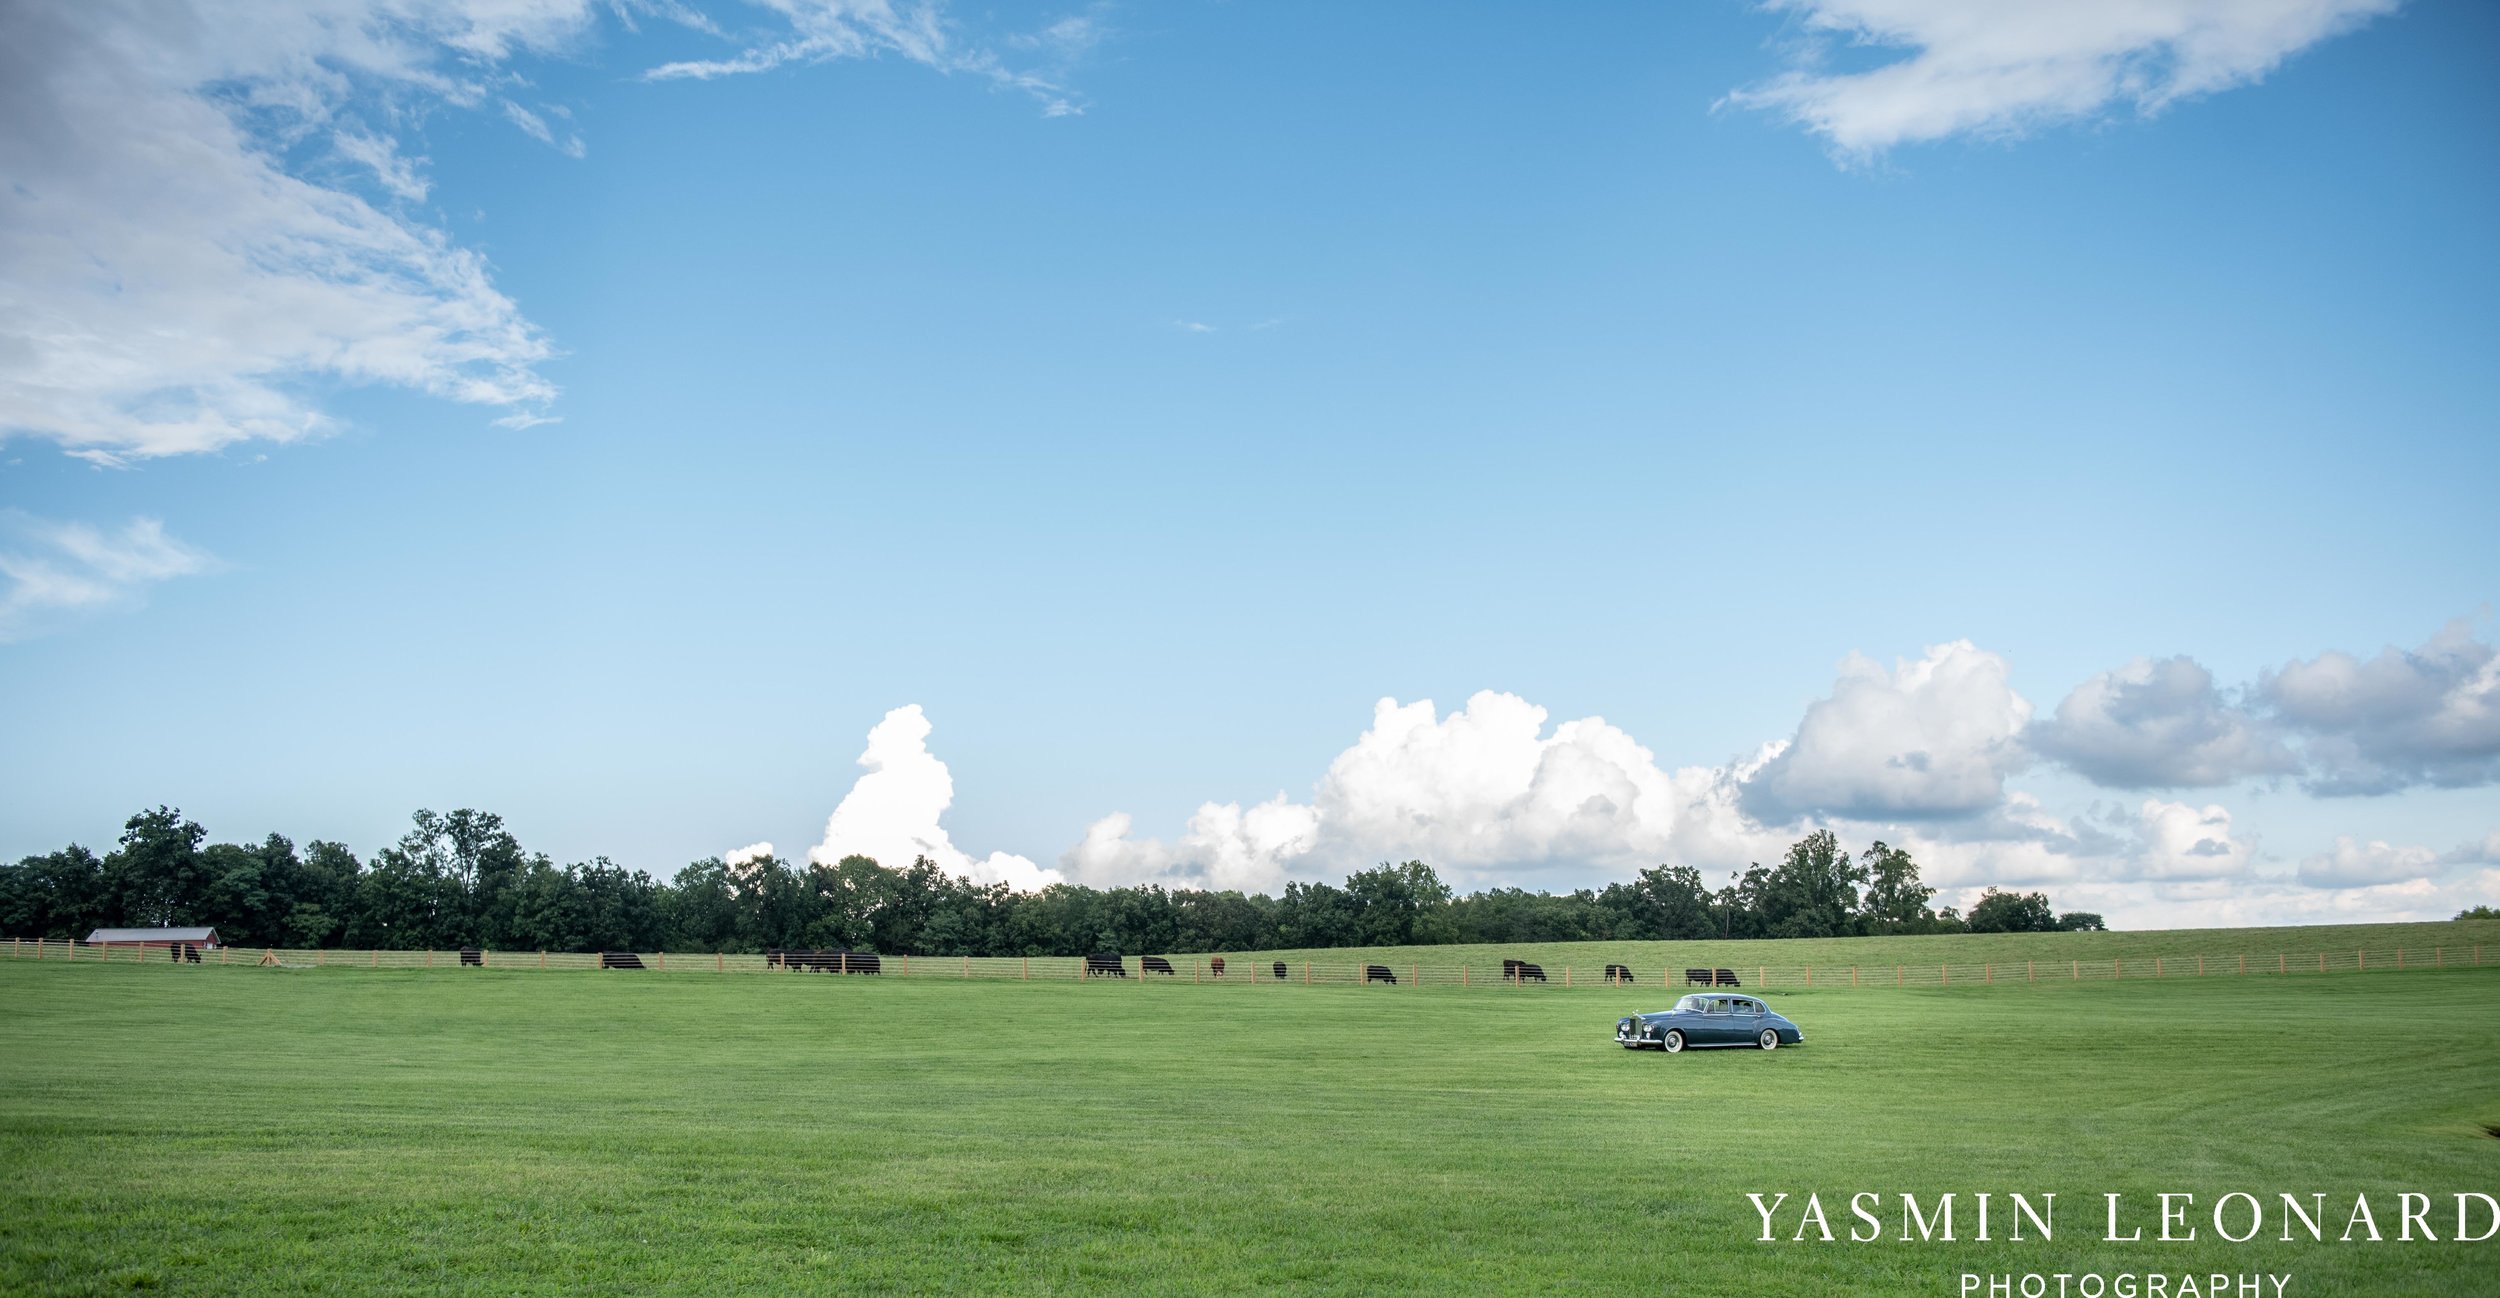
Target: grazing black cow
1280, 971
1104, 965
183, 951
1154, 964
1378, 973
858, 962
1616, 973
471, 955
619, 960
1520, 971
1215, 965
1697, 977
1727, 978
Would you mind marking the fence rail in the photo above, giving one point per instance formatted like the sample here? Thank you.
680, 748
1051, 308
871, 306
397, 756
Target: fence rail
1235, 971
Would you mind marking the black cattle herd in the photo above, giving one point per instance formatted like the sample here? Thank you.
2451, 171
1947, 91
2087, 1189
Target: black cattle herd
1101, 964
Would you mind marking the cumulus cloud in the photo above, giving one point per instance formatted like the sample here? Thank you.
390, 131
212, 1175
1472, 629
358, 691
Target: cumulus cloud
2406, 717
1986, 68
2186, 842
2355, 864
2159, 724
51, 570
892, 812
1484, 789
1932, 737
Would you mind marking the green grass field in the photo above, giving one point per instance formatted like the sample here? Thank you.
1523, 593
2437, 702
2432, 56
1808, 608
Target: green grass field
239, 1130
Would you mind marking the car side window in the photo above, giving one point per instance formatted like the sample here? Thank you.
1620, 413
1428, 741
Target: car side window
1747, 1007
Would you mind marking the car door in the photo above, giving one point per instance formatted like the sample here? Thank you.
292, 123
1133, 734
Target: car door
1717, 1021
1744, 1019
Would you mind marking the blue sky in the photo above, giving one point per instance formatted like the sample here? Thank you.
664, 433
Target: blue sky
1147, 392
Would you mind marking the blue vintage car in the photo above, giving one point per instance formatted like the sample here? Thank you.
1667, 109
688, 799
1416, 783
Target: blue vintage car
1709, 1019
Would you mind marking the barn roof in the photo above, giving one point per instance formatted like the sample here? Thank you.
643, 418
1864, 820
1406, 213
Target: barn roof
153, 935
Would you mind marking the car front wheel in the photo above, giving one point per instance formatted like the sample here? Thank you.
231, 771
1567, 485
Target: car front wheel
1770, 1039
1673, 1042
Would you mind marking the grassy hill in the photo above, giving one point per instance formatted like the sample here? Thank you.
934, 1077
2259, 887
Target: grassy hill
279, 1132
2447, 942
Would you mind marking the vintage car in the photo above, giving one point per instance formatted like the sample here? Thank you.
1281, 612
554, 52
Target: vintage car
1716, 1019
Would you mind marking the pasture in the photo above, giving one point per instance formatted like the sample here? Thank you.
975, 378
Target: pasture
279, 1131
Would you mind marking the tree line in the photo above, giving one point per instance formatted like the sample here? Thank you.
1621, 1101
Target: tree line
462, 879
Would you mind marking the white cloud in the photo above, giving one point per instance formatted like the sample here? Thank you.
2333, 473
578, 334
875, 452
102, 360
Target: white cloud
2180, 841
205, 227
2159, 725
2355, 864
815, 31
1479, 793
2406, 717
53, 569
536, 128
1933, 737
892, 812
1988, 68
168, 286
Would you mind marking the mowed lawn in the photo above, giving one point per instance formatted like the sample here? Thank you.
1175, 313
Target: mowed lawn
206, 1130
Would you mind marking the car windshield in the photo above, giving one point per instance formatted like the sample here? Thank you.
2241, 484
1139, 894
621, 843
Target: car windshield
1693, 1005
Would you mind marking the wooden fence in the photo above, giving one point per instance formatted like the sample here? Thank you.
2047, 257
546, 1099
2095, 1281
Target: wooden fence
1244, 970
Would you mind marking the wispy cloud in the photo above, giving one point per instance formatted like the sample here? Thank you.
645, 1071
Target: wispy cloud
206, 224
1983, 67
818, 31
1194, 326
536, 128
53, 570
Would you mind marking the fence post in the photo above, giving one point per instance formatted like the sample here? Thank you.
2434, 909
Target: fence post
1024, 970
1416, 973
1853, 975
2200, 966
2078, 972
2400, 957
2243, 964
1462, 975
1944, 975
2439, 956
2030, 974
2282, 963
542, 959
1809, 975
1761, 975
907, 964
663, 955
2361, 960
2157, 966
1306, 973
1896, 975
2322, 962
1566, 975
1988, 972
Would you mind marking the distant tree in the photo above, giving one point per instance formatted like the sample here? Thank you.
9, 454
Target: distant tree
2081, 921
157, 877
1316, 915
60, 894
1400, 905
2012, 912
1661, 903
2479, 912
1895, 901
1812, 892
